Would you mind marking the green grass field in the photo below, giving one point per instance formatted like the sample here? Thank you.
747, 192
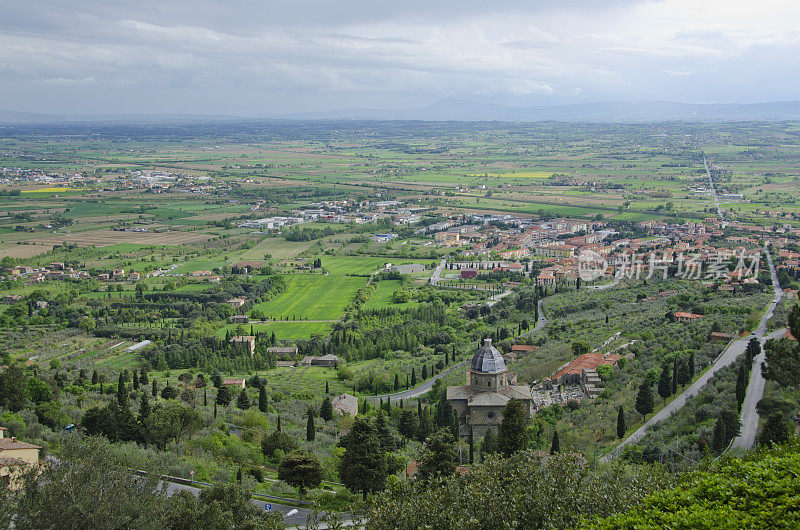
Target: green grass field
284, 330
313, 296
382, 296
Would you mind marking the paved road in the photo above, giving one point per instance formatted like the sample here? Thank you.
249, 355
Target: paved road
496, 298
419, 390
539, 323
755, 389
437, 273
298, 518
726, 358
713, 190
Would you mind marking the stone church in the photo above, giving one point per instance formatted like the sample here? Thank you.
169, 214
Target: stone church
480, 403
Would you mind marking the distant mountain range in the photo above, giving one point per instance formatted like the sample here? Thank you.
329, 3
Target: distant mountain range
463, 110
644, 111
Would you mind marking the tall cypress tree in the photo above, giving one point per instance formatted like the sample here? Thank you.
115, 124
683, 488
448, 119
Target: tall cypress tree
154, 391
718, 438
327, 388
741, 385
311, 432
471, 445
489, 443
620, 423
690, 365
135, 380
122, 396
413, 376
262, 399
555, 445
644, 400
675, 375
665, 383
511, 436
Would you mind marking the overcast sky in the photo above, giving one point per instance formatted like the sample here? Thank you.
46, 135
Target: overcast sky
266, 57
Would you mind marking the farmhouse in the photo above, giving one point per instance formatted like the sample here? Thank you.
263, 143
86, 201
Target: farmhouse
234, 381
345, 404
239, 319
11, 299
573, 373
244, 342
683, 316
15, 458
480, 403
325, 360
283, 351
236, 302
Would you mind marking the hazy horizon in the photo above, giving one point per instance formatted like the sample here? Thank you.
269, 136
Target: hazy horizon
261, 59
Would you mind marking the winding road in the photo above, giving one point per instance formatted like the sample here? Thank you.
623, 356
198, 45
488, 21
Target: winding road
417, 391
755, 389
726, 358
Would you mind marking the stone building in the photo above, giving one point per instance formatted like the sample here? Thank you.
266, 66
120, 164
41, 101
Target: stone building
480, 403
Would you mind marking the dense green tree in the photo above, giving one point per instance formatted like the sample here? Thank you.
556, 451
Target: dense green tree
782, 362
407, 424
424, 372
437, 457
173, 422
413, 377
396, 382
644, 400
12, 388
384, 432
122, 394
326, 409
262, 399
278, 441
301, 470
154, 390
223, 396
555, 445
471, 445
38, 391
683, 373
665, 383
425, 426
311, 431
776, 430
718, 442
620, 423
741, 385
690, 366
243, 400
511, 435
363, 465
169, 392
489, 444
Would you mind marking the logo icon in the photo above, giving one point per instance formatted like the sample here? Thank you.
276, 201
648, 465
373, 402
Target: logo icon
591, 265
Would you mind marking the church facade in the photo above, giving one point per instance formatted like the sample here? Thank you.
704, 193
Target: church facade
481, 402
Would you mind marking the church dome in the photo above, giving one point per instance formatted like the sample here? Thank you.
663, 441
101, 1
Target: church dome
487, 360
